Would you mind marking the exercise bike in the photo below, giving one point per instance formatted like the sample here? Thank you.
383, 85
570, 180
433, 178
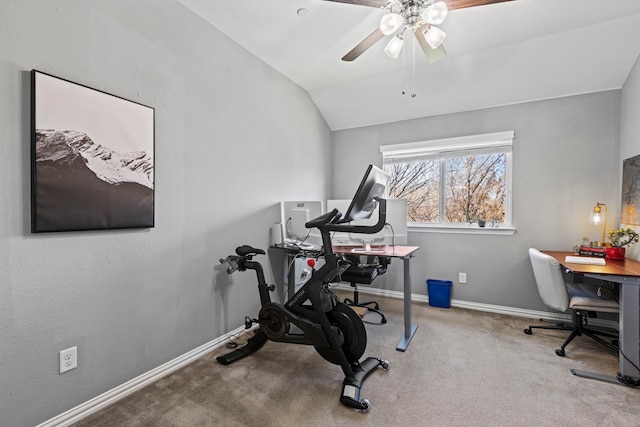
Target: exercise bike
335, 331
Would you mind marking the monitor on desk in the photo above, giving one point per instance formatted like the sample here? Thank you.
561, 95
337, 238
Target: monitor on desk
295, 214
394, 233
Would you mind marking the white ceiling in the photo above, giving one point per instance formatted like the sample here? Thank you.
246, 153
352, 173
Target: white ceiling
498, 54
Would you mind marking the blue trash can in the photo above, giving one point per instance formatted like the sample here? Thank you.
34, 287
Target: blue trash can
439, 292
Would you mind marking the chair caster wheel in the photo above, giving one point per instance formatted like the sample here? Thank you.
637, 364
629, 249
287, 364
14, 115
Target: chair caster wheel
528, 331
384, 364
560, 352
366, 406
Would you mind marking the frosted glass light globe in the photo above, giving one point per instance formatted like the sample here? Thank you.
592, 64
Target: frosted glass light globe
436, 13
390, 23
394, 47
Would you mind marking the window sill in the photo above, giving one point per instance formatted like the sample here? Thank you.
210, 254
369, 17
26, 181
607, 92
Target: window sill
462, 229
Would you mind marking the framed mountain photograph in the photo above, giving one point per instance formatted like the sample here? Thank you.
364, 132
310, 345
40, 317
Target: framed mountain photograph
92, 158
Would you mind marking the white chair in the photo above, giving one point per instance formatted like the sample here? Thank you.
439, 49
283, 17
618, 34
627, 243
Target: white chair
560, 296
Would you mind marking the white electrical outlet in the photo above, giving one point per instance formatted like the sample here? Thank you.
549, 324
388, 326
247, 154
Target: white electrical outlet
462, 277
68, 359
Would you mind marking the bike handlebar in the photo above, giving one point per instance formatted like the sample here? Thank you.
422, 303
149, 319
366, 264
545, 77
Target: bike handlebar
232, 263
240, 261
324, 219
330, 222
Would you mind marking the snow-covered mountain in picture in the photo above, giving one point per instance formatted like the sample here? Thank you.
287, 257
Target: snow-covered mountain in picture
110, 166
81, 185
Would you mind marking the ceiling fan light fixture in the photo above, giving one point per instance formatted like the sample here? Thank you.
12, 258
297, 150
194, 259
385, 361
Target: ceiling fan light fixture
434, 36
394, 47
436, 13
390, 23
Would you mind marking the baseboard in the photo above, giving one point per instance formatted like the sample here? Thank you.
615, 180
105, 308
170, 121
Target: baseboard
87, 408
489, 308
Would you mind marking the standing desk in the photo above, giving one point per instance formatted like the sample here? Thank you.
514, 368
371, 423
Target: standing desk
405, 253
627, 274
281, 258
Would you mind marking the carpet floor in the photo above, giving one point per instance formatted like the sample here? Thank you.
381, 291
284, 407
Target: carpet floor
462, 368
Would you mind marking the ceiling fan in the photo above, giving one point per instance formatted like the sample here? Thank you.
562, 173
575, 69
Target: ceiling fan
419, 16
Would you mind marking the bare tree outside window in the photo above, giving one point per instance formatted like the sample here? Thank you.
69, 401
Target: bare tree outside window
451, 182
418, 182
474, 187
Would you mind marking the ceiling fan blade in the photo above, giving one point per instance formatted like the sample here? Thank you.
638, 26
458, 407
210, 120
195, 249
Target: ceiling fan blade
363, 45
370, 3
433, 55
461, 4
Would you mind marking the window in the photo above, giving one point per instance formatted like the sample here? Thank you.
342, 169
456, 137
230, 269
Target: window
455, 181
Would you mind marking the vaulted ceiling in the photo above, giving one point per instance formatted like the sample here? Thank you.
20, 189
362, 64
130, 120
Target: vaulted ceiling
497, 54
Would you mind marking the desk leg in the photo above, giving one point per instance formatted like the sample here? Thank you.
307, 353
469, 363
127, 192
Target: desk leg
291, 278
279, 261
409, 329
629, 330
629, 320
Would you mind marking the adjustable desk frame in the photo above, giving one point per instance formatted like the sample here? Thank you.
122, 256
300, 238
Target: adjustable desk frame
405, 253
287, 282
626, 273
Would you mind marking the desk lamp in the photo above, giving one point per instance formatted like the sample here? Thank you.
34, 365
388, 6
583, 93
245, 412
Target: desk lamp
599, 216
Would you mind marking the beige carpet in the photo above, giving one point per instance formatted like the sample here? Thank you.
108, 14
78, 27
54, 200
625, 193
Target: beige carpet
463, 368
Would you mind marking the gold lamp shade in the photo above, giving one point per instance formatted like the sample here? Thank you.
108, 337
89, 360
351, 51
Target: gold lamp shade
599, 217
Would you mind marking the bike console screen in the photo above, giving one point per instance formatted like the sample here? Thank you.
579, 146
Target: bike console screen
364, 202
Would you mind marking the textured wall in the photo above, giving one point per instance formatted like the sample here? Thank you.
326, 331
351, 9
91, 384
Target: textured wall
232, 139
565, 158
630, 128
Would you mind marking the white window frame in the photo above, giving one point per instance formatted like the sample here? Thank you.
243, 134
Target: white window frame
501, 142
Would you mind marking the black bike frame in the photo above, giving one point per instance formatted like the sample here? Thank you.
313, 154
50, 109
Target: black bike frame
312, 319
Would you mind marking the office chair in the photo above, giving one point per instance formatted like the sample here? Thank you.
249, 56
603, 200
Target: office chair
364, 274
582, 299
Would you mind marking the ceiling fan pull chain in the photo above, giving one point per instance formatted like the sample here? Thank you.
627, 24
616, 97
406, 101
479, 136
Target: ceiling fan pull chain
403, 71
413, 83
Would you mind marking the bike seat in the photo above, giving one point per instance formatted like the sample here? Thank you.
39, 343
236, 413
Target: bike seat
245, 250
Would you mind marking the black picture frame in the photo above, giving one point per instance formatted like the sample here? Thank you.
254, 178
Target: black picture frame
630, 204
92, 158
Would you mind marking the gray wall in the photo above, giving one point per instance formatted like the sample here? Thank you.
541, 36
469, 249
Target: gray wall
132, 300
630, 128
565, 159
233, 138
